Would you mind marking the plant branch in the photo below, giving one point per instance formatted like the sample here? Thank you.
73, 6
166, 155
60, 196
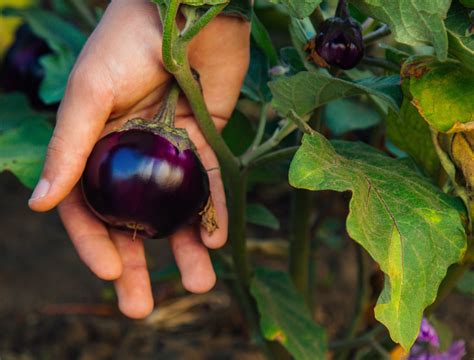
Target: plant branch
300, 243
378, 34
261, 126
381, 63
205, 19
281, 133
274, 156
169, 36
365, 339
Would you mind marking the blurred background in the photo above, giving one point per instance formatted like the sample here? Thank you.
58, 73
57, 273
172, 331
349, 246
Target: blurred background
52, 307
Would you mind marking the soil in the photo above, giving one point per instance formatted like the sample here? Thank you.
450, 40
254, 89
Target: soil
52, 307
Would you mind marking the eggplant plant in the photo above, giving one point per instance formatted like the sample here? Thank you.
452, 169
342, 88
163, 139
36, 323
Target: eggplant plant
371, 98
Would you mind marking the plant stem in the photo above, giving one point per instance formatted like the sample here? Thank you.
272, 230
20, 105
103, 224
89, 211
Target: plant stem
261, 127
381, 63
167, 111
361, 297
300, 243
360, 341
85, 12
274, 156
205, 19
169, 36
286, 129
378, 34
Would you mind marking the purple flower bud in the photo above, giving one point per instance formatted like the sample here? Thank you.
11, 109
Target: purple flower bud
428, 334
455, 352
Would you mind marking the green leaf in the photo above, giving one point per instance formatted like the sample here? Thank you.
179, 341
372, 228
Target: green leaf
57, 68
14, 109
412, 229
23, 148
297, 8
255, 85
241, 8
238, 133
346, 115
57, 32
413, 22
262, 38
306, 91
301, 31
466, 284
409, 132
285, 317
290, 57
468, 3
461, 43
442, 93
258, 214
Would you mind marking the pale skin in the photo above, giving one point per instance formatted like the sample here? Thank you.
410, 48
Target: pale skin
119, 75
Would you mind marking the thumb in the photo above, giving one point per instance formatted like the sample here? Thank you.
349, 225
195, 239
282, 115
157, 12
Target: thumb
83, 112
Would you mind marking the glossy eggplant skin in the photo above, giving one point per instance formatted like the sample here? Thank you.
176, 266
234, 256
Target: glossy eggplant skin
340, 42
138, 181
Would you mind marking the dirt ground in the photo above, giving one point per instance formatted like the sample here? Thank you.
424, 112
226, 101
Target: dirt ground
52, 307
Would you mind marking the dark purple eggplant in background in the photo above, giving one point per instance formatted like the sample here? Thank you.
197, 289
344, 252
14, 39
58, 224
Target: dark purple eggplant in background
146, 180
21, 70
339, 41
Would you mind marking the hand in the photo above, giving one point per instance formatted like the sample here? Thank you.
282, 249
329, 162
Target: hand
119, 75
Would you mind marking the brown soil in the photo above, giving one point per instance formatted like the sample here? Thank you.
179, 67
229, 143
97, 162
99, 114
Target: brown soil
52, 307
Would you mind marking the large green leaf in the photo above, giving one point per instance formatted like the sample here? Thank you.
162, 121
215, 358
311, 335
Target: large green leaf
307, 91
238, 133
461, 43
409, 132
262, 38
298, 8
23, 148
412, 229
285, 316
414, 22
443, 93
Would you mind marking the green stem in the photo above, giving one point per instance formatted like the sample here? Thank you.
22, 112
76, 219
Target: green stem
169, 36
85, 12
192, 89
167, 111
205, 19
261, 126
360, 341
361, 297
274, 156
286, 129
381, 63
378, 34
300, 243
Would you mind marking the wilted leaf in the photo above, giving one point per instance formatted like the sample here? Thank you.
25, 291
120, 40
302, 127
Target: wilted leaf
412, 229
442, 93
285, 316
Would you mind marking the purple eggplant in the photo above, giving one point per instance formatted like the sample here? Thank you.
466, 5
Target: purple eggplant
21, 69
146, 179
339, 41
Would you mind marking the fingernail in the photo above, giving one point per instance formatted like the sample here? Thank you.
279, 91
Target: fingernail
41, 190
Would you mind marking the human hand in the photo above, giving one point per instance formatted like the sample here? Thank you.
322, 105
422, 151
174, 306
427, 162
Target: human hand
119, 75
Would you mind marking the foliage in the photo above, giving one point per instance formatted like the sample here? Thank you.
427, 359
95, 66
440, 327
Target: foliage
406, 213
